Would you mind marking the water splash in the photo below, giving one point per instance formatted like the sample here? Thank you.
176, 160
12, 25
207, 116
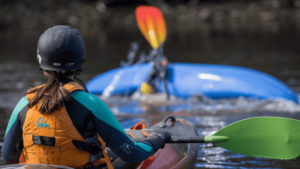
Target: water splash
143, 57
142, 104
132, 52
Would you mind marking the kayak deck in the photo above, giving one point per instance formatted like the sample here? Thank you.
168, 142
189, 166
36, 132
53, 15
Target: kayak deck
176, 155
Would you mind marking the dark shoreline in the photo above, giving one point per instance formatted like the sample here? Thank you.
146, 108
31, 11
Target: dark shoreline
93, 16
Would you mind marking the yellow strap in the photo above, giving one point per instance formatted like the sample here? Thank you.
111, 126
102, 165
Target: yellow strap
99, 162
107, 159
103, 144
104, 152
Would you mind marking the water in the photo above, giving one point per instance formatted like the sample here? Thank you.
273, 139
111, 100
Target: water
273, 49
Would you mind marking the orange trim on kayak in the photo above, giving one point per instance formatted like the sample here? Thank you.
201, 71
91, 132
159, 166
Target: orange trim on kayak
140, 125
145, 133
130, 135
148, 162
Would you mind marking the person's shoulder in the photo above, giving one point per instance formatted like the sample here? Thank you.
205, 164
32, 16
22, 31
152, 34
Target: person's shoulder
22, 103
95, 105
85, 96
19, 107
87, 99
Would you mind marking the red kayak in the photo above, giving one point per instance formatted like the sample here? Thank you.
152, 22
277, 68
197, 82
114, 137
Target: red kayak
172, 156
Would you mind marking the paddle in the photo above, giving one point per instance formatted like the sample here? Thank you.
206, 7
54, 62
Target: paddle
151, 22
268, 137
152, 25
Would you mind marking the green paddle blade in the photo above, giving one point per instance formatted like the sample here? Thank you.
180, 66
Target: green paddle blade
269, 137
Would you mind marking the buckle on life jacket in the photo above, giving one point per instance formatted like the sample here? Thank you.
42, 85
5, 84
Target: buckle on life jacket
88, 165
43, 140
40, 140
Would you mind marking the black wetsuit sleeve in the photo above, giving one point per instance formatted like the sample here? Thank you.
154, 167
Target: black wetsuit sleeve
14, 133
107, 126
8, 150
122, 145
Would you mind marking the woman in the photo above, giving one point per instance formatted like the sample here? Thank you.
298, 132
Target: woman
60, 123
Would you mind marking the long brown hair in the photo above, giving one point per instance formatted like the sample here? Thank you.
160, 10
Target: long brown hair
51, 96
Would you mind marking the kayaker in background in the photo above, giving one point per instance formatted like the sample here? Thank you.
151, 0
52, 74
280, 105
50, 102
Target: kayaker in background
160, 64
60, 123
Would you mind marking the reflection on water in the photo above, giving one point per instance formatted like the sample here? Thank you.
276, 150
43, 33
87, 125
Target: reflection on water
16, 76
276, 53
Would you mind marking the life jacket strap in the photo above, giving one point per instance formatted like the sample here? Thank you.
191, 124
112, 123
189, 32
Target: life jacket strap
40, 140
50, 141
95, 149
43, 140
101, 161
107, 160
90, 148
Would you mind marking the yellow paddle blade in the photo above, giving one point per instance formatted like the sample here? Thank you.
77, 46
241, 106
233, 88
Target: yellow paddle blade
152, 25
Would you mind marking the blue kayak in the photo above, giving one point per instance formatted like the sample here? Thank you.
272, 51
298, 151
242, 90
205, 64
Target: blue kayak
185, 80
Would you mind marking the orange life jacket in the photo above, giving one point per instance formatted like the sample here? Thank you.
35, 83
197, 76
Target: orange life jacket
48, 138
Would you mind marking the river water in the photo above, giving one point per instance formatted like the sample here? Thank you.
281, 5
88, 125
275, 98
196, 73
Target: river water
273, 49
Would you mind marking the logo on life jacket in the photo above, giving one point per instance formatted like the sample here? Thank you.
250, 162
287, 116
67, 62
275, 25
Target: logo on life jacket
40, 123
126, 148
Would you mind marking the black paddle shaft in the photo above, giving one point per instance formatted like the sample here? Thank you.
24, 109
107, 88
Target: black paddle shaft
174, 139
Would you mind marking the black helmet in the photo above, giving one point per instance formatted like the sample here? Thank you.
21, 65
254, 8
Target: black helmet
61, 48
